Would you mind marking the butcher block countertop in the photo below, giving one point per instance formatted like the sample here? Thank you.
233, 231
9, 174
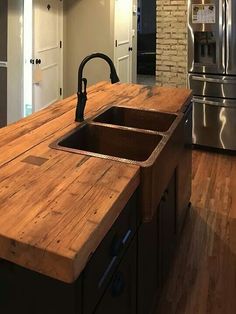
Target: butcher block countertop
55, 206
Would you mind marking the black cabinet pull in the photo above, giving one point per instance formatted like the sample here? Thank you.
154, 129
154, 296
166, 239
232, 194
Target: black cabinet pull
130, 49
116, 249
118, 285
107, 272
118, 244
165, 196
32, 61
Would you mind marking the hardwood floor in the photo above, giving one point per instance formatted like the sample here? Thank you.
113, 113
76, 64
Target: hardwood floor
203, 275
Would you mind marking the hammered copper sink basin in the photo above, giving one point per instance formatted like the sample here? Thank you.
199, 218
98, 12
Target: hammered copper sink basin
104, 141
136, 118
150, 139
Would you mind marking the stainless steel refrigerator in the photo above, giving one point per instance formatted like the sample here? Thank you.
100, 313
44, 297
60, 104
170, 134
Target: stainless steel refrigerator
3, 62
212, 71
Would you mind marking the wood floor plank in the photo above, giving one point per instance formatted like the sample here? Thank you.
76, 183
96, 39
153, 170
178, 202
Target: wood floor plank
203, 276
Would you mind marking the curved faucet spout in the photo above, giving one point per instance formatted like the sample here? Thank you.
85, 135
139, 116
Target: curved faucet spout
82, 83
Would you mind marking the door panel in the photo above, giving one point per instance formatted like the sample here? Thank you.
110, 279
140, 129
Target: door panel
123, 39
122, 66
47, 76
231, 36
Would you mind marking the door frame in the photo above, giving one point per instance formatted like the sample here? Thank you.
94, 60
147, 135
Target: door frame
60, 54
3, 63
132, 39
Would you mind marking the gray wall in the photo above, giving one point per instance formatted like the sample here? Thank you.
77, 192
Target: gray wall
3, 57
88, 28
15, 60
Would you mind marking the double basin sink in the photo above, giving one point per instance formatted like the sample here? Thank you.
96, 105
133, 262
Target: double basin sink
147, 138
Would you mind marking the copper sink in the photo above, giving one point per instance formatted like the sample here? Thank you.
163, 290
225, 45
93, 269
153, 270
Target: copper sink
150, 139
136, 118
105, 142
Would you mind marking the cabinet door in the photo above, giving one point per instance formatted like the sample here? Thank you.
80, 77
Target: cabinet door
184, 173
106, 258
28, 292
120, 296
167, 230
148, 281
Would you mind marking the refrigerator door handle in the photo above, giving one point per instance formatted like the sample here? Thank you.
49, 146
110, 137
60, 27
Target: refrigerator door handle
228, 33
212, 80
230, 37
206, 102
3, 64
222, 22
215, 102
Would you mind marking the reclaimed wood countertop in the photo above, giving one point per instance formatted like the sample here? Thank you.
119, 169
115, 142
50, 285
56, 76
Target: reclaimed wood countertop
56, 207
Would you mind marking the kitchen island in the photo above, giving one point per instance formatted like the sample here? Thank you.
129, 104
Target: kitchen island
58, 208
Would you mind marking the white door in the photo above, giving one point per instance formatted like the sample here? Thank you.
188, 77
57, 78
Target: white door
47, 51
123, 40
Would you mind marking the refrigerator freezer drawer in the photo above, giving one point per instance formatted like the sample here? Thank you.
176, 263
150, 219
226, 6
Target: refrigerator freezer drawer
213, 85
214, 125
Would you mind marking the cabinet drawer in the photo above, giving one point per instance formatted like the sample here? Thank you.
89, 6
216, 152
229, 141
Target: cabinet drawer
100, 268
120, 296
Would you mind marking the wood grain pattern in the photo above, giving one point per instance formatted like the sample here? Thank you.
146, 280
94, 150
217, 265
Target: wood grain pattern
54, 213
203, 276
16, 138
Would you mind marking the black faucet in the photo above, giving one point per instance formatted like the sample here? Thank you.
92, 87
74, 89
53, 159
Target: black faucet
82, 93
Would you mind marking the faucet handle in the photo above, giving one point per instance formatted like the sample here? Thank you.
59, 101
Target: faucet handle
82, 98
84, 91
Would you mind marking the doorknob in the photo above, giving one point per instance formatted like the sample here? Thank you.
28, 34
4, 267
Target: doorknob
38, 61
130, 49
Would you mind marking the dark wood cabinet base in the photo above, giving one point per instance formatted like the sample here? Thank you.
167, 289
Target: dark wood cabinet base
24, 291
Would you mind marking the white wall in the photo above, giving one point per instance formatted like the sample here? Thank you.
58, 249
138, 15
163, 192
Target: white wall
88, 28
15, 60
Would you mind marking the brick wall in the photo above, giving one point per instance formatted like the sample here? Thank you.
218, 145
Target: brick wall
171, 64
